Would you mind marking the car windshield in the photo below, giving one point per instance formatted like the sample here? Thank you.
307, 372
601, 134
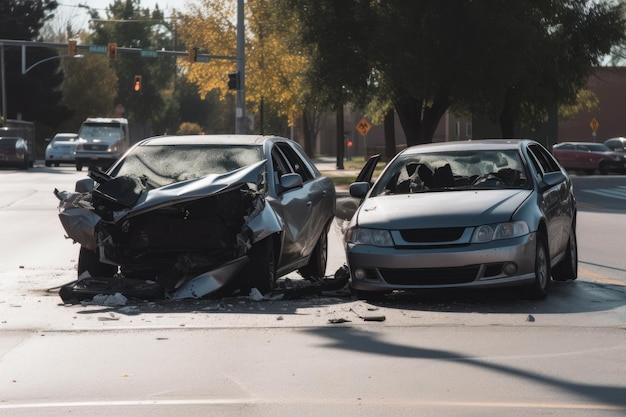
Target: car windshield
598, 147
58, 139
161, 165
8, 142
100, 131
453, 170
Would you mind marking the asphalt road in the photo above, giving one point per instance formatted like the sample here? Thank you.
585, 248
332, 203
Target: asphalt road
436, 353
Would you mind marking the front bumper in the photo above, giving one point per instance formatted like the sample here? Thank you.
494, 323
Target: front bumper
474, 265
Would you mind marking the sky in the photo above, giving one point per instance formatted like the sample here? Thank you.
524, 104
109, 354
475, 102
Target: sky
69, 10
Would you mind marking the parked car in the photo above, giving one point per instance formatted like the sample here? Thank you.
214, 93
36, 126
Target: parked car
61, 149
14, 152
463, 214
616, 144
198, 214
589, 157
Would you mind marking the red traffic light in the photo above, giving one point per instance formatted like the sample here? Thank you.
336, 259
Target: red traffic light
112, 51
137, 85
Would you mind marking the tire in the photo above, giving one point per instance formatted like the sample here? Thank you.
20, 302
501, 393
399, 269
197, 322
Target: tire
539, 288
603, 168
79, 167
567, 268
88, 260
48, 163
260, 273
316, 268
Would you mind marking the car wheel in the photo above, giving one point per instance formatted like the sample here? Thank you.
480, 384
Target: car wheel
57, 164
316, 268
603, 168
79, 167
568, 267
539, 288
88, 260
48, 163
260, 272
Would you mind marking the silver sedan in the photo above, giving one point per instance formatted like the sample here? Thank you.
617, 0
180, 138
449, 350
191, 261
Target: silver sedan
463, 214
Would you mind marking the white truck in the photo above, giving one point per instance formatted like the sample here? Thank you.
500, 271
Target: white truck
102, 140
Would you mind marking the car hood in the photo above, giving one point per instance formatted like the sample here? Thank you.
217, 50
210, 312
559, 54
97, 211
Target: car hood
197, 188
440, 209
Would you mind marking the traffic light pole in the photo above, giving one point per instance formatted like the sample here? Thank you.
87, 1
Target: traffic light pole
241, 125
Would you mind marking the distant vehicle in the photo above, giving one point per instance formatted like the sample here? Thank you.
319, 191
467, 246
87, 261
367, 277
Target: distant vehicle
102, 140
468, 214
616, 144
198, 214
589, 157
61, 149
14, 152
21, 129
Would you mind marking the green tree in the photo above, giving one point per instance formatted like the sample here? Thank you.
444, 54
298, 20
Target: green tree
514, 61
131, 26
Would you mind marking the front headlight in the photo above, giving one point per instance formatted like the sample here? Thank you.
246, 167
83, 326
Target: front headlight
362, 236
508, 230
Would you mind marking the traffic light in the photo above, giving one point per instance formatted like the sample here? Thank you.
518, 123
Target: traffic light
71, 47
112, 51
233, 80
193, 55
137, 85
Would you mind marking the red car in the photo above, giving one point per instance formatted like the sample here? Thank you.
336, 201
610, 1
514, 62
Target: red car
589, 157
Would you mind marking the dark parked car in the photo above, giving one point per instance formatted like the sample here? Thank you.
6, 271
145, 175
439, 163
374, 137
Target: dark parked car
61, 149
616, 144
197, 214
589, 157
14, 152
463, 214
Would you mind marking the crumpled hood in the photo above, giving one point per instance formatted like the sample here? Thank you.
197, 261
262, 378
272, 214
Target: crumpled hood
440, 209
197, 188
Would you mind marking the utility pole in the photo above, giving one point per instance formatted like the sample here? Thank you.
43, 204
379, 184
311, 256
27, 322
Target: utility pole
241, 125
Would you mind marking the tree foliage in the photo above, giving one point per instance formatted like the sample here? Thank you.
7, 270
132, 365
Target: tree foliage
274, 64
513, 61
131, 26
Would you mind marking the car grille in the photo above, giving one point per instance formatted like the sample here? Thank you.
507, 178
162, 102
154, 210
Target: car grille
95, 147
430, 276
444, 234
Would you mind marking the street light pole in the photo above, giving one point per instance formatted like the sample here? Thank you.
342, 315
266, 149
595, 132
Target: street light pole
240, 105
24, 71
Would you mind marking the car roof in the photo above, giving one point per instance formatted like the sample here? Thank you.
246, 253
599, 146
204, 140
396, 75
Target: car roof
469, 145
226, 139
10, 137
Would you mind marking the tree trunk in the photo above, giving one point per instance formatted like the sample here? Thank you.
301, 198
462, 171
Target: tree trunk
409, 112
507, 119
390, 134
340, 138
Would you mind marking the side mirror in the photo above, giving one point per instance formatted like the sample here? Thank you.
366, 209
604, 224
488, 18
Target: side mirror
551, 179
290, 181
84, 185
359, 189
47, 140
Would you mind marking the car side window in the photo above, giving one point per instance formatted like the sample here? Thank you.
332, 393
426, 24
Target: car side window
296, 163
543, 159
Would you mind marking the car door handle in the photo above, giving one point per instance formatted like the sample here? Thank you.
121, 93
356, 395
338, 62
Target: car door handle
309, 203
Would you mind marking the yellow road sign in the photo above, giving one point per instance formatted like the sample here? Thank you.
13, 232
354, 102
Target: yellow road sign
594, 124
363, 127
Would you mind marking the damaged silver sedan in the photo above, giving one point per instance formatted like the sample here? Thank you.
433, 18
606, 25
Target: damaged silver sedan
195, 215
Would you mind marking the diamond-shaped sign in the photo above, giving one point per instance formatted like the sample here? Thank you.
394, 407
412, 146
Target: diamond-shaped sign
363, 127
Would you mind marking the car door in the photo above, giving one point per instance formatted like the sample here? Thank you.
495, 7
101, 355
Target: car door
304, 209
555, 199
347, 205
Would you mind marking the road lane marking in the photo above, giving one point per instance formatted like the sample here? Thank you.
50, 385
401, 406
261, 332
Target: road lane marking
598, 277
617, 192
323, 401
